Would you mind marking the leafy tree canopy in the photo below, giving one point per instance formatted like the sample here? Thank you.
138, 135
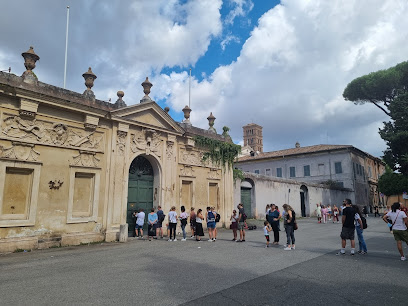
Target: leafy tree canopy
380, 88
391, 183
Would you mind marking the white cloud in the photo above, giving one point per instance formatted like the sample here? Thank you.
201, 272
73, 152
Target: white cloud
240, 9
229, 39
293, 69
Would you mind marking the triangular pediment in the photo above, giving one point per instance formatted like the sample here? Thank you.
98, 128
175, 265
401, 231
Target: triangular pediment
147, 113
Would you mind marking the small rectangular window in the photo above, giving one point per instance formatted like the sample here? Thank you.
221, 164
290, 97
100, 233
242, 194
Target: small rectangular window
279, 172
338, 168
256, 171
340, 184
306, 170
292, 171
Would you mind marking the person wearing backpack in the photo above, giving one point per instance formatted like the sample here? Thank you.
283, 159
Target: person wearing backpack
183, 221
217, 219
160, 218
289, 223
358, 219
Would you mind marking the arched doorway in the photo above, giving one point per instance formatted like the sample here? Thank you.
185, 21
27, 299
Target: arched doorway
304, 200
246, 196
140, 189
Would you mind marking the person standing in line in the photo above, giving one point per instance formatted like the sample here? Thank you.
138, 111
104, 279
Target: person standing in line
210, 224
399, 226
199, 225
234, 224
267, 229
217, 219
329, 212
342, 207
335, 214
140, 218
365, 213
172, 223
319, 213
152, 222
274, 221
183, 221
289, 222
267, 209
362, 247
389, 220
348, 228
160, 218
324, 214
241, 222
192, 222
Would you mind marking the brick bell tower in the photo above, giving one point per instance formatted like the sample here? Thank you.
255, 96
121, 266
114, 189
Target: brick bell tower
253, 136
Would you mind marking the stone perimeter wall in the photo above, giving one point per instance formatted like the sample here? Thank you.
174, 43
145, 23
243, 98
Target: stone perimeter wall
266, 190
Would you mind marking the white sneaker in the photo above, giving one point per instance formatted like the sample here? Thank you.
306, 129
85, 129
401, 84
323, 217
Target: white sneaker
210, 240
175, 239
403, 258
293, 248
287, 249
184, 239
169, 240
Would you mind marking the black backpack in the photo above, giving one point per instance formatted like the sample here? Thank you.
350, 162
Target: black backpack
364, 221
217, 217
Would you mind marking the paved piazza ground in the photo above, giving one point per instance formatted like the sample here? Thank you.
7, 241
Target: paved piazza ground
219, 273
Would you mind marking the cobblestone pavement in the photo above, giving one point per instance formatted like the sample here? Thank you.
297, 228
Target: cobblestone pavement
217, 273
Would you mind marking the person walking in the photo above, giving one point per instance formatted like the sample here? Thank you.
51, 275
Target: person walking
192, 222
319, 213
183, 221
241, 222
210, 217
199, 232
376, 212
140, 218
234, 224
348, 228
172, 223
274, 216
335, 214
329, 212
267, 229
399, 226
324, 214
160, 218
289, 223
152, 220
362, 247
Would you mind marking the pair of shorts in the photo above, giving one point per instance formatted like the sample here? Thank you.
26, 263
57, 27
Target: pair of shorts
241, 226
400, 235
347, 233
211, 225
138, 226
267, 237
159, 225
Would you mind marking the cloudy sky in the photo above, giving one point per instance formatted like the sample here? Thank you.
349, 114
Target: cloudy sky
280, 64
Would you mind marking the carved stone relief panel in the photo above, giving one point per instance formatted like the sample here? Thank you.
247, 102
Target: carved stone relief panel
147, 141
43, 132
20, 151
191, 157
169, 150
121, 142
187, 171
214, 174
85, 159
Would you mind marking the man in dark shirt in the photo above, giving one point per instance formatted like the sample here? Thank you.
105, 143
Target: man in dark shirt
347, 231
241, 222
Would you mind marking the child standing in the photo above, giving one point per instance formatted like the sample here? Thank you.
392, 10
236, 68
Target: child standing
267, 229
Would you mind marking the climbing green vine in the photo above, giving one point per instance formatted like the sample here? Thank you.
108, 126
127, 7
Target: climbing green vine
238, 174
219, 152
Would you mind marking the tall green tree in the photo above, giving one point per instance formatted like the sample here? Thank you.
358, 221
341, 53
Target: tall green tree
387, 90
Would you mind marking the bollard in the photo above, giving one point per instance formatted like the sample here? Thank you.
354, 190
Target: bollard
123, 234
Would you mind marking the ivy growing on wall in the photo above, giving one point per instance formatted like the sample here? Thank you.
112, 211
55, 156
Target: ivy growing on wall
238, 174
219, 152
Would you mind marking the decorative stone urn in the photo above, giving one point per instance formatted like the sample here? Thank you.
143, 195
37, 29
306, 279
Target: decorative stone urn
186, 110
89, 77
29, 62
146, 89
119, 102
211, 120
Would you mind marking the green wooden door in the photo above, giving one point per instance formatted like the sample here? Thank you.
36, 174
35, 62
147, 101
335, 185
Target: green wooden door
246, 201
140, 190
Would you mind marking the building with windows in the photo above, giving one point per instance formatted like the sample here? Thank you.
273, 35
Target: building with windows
73, 168
253, 137
341, 167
